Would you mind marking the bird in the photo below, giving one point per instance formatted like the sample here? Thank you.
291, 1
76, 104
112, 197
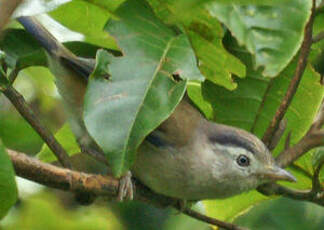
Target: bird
187, 157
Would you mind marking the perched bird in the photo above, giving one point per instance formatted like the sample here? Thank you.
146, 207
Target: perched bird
186, 157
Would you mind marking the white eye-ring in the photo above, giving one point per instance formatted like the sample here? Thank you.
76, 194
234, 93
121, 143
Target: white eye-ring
243, 160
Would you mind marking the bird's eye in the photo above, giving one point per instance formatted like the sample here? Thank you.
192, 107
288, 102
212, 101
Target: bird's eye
243, 160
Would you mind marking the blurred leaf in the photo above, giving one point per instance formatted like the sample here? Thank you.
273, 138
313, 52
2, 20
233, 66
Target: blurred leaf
13, 127
8, 189
140, 93
277, 214
184, 222
21, 49
272, 33
34, 7
66, 138
45, 211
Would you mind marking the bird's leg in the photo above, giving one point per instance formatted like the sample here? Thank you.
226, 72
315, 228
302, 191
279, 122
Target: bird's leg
126, 187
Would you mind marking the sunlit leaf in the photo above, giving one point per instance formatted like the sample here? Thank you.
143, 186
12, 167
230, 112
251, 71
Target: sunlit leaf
273, 34
66, 138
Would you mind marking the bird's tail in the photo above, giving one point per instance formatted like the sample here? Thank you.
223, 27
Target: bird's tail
42, 35
80, 65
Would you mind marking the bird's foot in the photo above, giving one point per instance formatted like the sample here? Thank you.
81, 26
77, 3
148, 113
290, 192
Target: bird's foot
126, 187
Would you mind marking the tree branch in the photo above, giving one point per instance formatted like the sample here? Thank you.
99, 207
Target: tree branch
99, 185
312, 139
292, 88
6, 10
26, 112
275, 189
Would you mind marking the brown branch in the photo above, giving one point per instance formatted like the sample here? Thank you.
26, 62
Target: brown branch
308, 142
99, 185
60, 178
292, 88
26, 112
6, 10
312, 139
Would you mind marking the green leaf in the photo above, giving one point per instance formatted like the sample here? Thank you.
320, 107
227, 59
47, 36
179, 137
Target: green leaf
8, 189
194, 92
87, 18
216, 63
45, 210
272, 33
140, 93
318, 158
66, 138
205, 34
21, 49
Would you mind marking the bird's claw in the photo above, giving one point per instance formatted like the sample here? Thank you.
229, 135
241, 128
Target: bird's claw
126, 187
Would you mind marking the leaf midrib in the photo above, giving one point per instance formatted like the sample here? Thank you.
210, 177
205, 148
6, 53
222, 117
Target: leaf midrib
157, 69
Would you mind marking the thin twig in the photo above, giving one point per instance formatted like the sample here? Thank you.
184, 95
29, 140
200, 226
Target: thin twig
308, 142
278, 134
308, 195
69, 180
6, 10
301, 65
318, 37
212, 221
26, 112
312, 139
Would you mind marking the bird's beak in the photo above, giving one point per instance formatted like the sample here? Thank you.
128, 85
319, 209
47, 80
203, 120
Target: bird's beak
275, 173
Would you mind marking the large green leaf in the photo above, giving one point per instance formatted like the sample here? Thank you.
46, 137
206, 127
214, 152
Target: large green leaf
8, 189
140, 92
251, 106
272, 33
